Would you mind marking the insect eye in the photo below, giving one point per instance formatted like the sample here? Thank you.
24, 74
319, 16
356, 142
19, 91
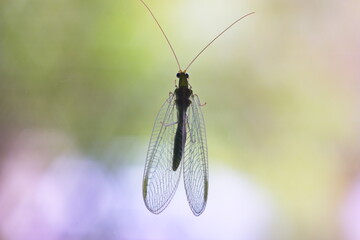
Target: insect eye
178, 75
187, 75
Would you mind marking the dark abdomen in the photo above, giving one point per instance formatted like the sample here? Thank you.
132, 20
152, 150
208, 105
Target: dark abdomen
179, 144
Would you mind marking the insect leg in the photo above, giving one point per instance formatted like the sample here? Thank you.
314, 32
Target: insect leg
168, 125
171, 95
201, 105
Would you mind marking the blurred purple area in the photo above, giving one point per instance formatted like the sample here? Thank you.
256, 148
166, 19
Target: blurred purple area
47, 195
49, 191
351, 212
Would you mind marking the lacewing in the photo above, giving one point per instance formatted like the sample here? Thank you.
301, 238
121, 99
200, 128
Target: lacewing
178, 144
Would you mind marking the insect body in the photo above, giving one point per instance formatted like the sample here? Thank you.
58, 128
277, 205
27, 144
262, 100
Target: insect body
182, 102
178, 144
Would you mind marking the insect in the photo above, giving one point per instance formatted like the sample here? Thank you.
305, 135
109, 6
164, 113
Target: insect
178, 144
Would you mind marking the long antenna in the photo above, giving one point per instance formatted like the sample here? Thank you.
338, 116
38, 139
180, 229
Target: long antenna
177, 61
216, 38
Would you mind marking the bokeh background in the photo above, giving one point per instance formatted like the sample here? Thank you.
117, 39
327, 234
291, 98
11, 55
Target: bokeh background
81, 83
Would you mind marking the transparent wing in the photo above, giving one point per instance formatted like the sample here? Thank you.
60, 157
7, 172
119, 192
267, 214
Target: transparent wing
196, 159
160, 181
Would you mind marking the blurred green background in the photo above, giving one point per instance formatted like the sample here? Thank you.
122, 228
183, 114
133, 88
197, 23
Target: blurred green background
87, 78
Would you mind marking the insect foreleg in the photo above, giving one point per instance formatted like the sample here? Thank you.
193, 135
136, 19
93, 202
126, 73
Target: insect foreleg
201, 105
